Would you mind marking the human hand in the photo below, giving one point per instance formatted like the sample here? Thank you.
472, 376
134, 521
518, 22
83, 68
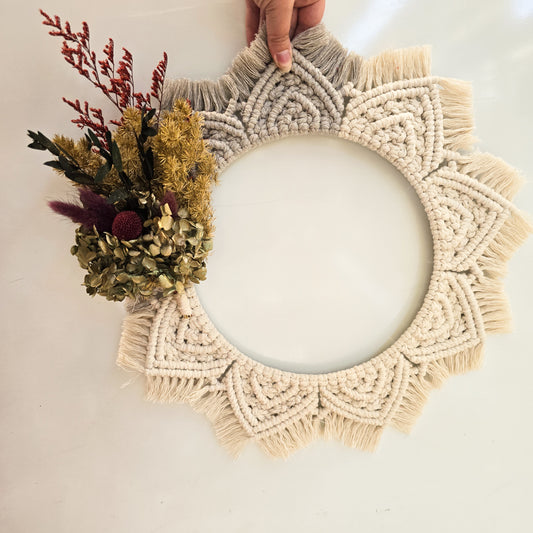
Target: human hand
285, 19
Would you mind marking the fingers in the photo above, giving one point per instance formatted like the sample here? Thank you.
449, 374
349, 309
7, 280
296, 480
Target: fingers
284, 20
294, 22
278, 14
310, 15
251, 21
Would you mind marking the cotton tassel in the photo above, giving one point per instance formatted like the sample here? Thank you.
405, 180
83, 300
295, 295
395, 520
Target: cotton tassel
511, 236
134, 339
296, 435
458, 123
493, 172
352, 433
423, 381
394, 65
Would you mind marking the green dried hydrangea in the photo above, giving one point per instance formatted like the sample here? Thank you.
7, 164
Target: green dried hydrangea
171, 251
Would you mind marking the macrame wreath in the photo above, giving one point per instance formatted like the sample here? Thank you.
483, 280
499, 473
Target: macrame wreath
146, 228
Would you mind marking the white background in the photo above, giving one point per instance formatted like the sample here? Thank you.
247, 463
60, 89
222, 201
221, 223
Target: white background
322, 257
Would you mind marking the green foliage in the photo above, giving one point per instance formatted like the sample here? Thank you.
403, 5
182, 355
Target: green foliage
172, 251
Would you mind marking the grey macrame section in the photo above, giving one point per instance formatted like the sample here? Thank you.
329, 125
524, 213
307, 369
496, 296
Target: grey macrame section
421, 124
255, 102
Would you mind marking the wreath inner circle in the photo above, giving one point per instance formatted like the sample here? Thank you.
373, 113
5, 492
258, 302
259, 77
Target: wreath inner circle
303, 254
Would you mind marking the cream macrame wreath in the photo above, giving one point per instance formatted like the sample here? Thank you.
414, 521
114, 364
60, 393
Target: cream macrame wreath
420, 123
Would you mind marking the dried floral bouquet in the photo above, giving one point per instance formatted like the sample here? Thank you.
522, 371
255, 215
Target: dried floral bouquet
145, 219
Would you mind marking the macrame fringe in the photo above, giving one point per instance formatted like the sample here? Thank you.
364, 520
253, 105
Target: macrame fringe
291, 438
322, 49
489, 289
216, 407
394, 65
301, 433
457, 111
209, 95
493, 305
421, 384
493, 172
135, 334
352, 433
512, 235
212, 403
317, 45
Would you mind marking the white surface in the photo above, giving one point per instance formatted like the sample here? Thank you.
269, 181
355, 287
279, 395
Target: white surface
80, 453
330, 248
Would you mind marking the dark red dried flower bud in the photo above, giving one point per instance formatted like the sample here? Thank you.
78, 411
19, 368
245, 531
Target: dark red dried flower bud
127, 225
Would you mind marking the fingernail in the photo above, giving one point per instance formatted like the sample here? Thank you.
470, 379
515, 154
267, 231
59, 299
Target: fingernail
283, 60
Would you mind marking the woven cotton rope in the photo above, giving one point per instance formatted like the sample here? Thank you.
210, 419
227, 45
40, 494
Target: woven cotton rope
421, 124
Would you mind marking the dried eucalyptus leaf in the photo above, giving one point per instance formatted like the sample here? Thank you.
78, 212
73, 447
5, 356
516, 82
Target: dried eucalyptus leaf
164, 281
154, 249
184, 225
148, 263
166, 250
103, 246
166, 222
201, 273
85, 255
122, 277
178, 239
119, 253
95, 280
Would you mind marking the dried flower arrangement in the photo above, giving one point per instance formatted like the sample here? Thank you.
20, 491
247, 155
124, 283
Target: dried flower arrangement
145, 215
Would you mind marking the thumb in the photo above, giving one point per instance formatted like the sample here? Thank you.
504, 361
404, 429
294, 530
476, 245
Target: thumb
278, 14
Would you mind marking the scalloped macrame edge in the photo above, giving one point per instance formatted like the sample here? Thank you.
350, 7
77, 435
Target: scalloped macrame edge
317, 44
326, 53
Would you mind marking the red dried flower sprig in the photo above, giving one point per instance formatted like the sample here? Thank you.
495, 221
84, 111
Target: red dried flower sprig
116, 83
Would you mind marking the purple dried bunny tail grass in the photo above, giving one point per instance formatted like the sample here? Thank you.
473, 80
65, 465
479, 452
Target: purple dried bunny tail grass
103, 212
75, 212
